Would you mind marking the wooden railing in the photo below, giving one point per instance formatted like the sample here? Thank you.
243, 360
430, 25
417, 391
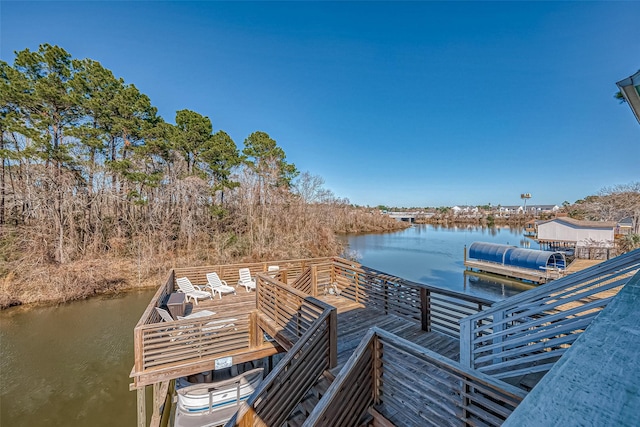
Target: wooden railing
410, 385
529, 332
436, 309
313, 352
284, 312
305, 282
229, 272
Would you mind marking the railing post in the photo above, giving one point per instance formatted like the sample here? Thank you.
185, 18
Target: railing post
385, 285
498, 317
283, 276
425, 309
376, 356
356, 278
332, 272
333, 338
314, 280
138, 349
466, 343
254, 330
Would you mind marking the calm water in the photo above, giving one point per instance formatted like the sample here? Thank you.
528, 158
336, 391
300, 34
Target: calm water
69, 365
435, 255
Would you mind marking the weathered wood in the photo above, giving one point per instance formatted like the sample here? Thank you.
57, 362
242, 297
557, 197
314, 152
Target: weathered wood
425, 313
596, 381
142, 407
314, 281
287, 384
421, 385
527, 333
379, 420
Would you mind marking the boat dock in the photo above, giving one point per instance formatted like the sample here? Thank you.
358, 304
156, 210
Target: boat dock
360, 347
513, 262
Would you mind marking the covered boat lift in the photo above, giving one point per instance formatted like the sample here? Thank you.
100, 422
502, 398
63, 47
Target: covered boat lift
527, 264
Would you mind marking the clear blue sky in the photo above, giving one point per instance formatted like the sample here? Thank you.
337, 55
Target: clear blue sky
405, 104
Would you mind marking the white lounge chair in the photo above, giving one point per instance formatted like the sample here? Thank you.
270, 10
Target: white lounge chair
218, 285
273, 270
164, 314
191, 291
246, 280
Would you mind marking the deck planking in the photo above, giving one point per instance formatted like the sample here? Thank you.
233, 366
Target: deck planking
354, 320
353, 325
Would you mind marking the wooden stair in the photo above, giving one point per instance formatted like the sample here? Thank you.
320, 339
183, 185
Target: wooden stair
309, 402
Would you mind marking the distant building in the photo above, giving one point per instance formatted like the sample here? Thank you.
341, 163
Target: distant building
464, 209
510, 210
540, 209
572, 232
624, 226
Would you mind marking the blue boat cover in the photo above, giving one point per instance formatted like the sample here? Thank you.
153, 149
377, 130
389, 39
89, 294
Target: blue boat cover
516, 257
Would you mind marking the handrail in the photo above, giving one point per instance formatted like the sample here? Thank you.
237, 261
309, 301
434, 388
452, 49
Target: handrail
303, 282
285, 312
186, 341
529, 332
283, 389
411, 385
229, 272
437, 309
150, 315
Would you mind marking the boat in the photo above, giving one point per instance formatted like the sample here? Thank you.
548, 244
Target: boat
210, 399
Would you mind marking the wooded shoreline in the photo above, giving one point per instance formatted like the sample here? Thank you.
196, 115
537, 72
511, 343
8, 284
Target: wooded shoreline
53, 283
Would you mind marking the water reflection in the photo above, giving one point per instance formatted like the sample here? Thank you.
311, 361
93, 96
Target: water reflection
434, 254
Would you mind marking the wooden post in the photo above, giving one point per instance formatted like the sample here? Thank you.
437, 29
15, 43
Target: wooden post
138, 353
498, 316
283, 276
142, 407
314, 280
466, 344
333, 338
332, 273
255, 337
425, 309
155, 400
385, 285
376, 354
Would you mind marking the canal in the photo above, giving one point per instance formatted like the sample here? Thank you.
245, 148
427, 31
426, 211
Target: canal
68, 365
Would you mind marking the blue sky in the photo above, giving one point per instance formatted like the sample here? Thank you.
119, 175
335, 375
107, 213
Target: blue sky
402, 104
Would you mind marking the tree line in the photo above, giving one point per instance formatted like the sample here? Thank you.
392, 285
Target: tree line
89, 169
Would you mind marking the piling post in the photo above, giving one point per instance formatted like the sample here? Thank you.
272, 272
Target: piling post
142, 407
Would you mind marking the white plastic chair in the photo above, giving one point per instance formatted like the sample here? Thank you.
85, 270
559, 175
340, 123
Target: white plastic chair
273, 270
191, 291
218, 285
246, 280
164, 314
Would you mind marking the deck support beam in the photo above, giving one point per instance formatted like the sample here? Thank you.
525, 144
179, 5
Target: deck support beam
142, 407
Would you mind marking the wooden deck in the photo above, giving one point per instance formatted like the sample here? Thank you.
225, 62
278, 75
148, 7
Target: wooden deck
359, 341
354, 320
354, 324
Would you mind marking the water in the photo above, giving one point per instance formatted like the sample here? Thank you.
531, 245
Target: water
69, 365
435, 255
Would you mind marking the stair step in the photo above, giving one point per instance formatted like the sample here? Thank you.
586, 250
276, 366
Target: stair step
296, 420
